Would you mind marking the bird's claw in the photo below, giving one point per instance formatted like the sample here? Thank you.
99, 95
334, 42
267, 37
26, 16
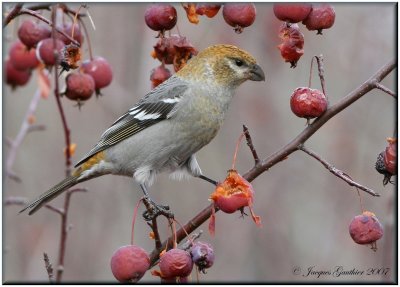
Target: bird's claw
154, 210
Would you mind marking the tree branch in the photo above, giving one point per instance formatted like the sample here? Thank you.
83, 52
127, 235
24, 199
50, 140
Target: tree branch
251, 146
386, 90
284, 152
49, 267
25, 128
337, 172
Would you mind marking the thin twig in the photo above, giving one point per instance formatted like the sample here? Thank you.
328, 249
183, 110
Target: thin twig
250, 144
49, 267
337, 172
36, 128
386, 90
321, 73
60, 107
13, 13
285, 151
25, 126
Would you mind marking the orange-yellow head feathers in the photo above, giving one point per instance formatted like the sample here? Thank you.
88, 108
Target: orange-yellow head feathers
226, 65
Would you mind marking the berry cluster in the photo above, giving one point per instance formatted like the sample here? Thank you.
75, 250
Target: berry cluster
36, 47
129, 263
176, 50
313, 16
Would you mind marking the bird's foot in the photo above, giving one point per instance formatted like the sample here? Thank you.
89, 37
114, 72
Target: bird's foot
154, 210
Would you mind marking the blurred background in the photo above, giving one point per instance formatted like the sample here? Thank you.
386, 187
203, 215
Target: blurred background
305, 210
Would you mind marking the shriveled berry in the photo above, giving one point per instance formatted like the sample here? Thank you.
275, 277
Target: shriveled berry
208, 9
129, 263
176, 50
79, 86
45, 51
30, 33
381, 168
321, 17
176, 263
390, 157
292, 12
293, 42
21, 57
365, 228
203, 255
239, 15
68, 30
16, 77
291, 52
100, 70
308, 103
160, 17
159, 75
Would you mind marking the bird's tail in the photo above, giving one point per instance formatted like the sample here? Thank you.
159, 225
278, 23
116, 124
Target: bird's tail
51, 194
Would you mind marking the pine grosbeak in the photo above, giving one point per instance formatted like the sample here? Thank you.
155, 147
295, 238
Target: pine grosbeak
165, 129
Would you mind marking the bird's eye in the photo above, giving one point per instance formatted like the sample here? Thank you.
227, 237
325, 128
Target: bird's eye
238, 62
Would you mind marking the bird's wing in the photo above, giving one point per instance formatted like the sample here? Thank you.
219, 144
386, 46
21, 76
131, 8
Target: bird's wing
156, 106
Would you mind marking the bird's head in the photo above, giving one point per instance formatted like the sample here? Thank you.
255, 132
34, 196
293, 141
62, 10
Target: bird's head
225, 65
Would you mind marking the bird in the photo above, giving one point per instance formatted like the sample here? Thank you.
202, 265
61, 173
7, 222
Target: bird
165, 129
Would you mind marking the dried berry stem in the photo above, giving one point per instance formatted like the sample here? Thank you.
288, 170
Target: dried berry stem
236, 150
134, 219
360, 200
286, 150
336, 171
49, 267
88, 39
250, 144
23, 131
321, 71
386, 90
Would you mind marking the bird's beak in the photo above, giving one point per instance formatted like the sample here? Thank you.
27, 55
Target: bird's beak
256, 73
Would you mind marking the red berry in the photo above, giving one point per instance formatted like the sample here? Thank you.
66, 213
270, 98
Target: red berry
100, 70
159, 75
308, 103
210, 10
160, 17
365, 228
30, 33
293, 12
176, 263
79, 86
129, 263
21, 57
68, 30
321, 17
239, 15
203, 255
390, 156
16, 77
45, 51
